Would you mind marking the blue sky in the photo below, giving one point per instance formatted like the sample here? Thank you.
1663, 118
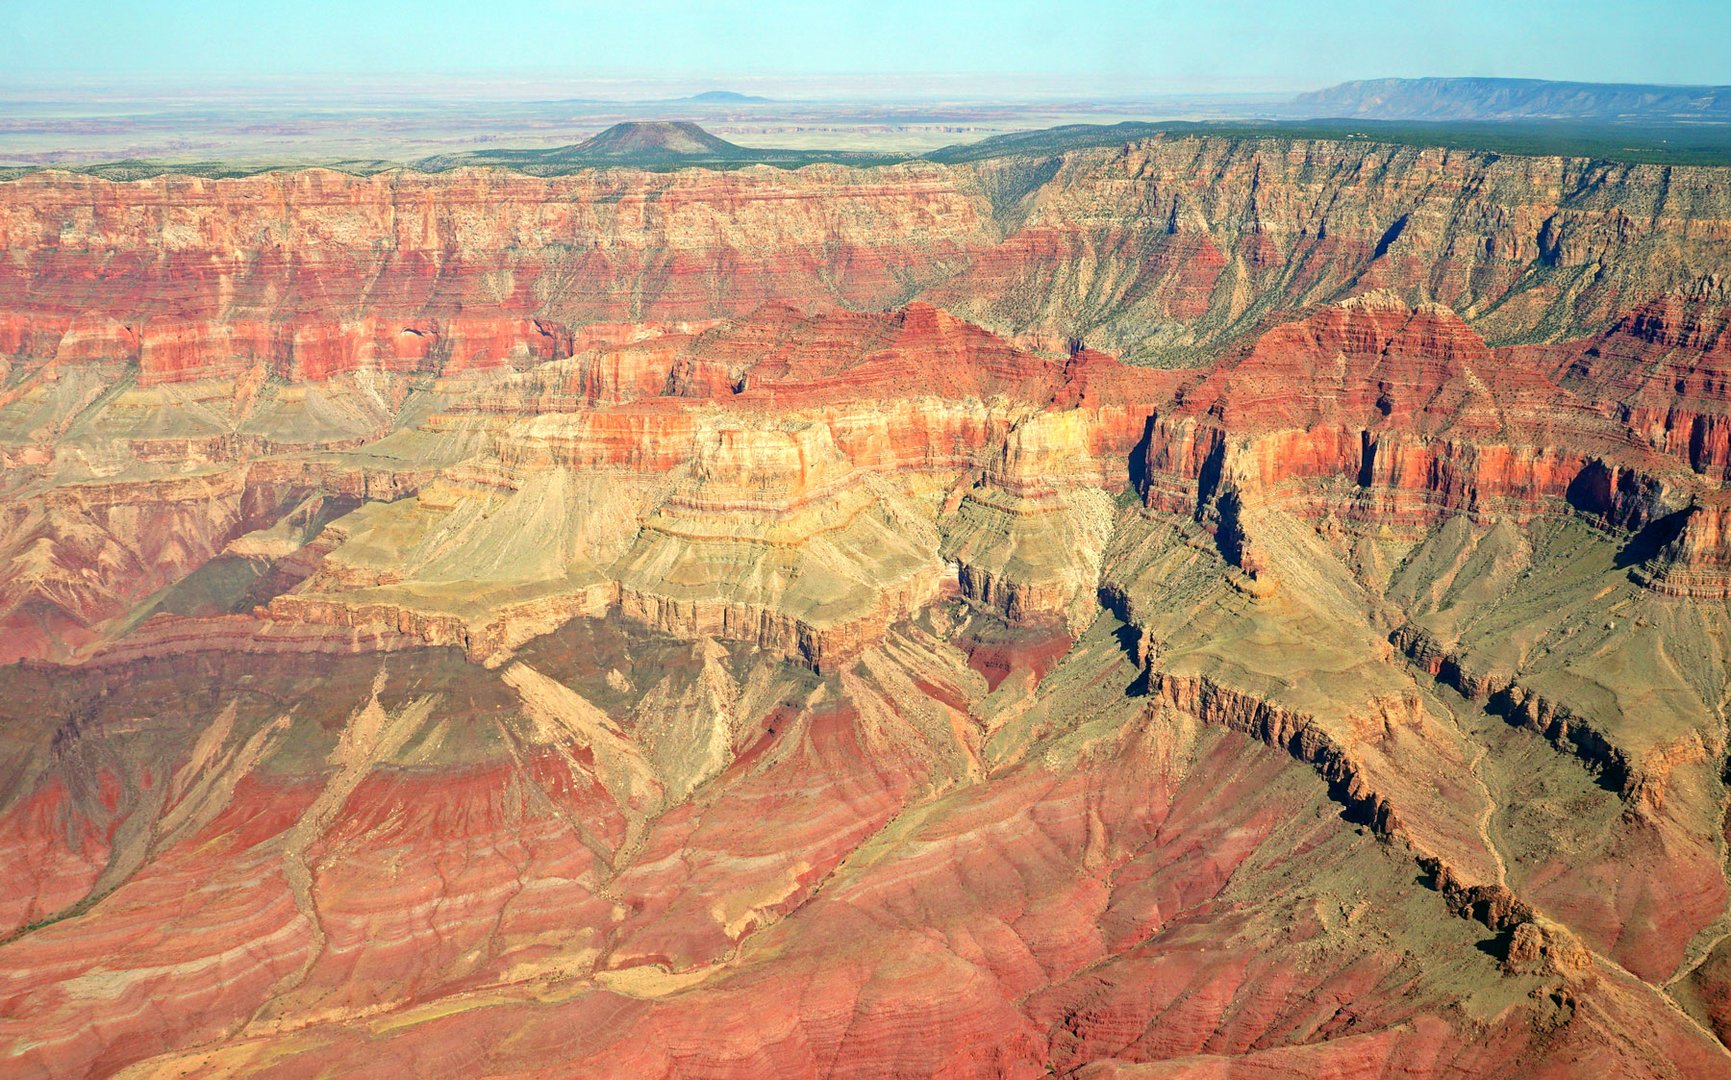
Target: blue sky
1153, 46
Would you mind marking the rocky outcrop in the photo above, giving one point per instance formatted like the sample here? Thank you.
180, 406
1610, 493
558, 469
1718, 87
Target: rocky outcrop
1535, 944
1664, 370
775, 539
1696, 560
1556, 722
1027, 536
79, 555
490, 640
1376, 414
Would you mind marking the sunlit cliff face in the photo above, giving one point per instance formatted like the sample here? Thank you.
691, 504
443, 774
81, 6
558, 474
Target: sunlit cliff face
1196, 606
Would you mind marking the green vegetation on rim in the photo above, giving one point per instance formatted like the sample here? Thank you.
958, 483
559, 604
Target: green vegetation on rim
689, 146
1680, 144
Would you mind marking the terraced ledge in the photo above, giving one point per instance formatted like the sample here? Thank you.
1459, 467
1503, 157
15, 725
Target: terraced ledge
1534, 941
489, 640
490, 637
1564, 729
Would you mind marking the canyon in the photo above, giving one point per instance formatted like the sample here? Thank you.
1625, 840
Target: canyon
1203, 606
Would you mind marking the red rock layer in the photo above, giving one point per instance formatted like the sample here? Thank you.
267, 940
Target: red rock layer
316, 272
1168, 244
1665, 371
1411, 412
1125, 247
1125, 909
81, 554
909, 389
778, 357
1697, 560
170, 352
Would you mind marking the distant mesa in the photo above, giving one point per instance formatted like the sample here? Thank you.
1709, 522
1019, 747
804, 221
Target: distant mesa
653, 145
656, 139
725, 97
648, 144
1469, 99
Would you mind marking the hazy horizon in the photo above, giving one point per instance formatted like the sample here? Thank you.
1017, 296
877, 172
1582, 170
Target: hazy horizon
189, 80
1016, 48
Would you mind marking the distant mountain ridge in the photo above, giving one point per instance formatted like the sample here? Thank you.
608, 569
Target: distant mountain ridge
1439, 99
724, 97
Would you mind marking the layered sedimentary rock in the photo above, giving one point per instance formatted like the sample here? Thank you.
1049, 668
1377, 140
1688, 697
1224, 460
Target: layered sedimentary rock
776, 539
1694, 554
742, 623
1156, 248
317, 272
1662, 370
1373, 412
1028, 535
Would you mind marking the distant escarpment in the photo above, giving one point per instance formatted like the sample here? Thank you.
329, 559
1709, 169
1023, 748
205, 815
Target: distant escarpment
1517, 99
1153, 250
